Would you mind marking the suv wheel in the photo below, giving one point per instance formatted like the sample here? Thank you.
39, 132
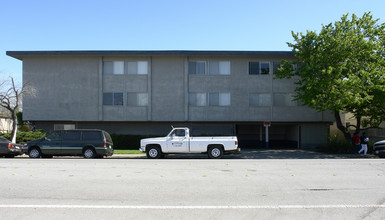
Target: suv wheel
34, 153
89, 153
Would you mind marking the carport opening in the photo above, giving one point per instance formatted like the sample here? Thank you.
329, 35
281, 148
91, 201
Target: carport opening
280, 135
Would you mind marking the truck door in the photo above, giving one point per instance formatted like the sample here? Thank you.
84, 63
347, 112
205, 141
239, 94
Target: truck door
178, 142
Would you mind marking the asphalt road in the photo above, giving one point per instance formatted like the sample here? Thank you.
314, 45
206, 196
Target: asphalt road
192, 189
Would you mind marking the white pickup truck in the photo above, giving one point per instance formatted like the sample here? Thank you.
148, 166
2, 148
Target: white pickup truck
179, 141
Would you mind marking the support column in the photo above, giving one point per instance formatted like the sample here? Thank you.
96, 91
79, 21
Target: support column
260, 134
267, 125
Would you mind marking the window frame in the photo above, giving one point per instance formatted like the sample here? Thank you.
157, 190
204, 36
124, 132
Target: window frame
259, 69
211, 62
293, 103
113, 69
259, 98
136, 95
203, 94
113, 102
210, 103
195, 68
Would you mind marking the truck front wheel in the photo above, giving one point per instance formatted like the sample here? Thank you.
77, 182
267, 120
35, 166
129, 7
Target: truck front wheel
215, 152
153, 152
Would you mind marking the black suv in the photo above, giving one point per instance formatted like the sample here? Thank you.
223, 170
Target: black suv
89, 143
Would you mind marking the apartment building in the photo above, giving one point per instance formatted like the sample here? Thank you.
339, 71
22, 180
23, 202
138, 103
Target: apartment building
145, 92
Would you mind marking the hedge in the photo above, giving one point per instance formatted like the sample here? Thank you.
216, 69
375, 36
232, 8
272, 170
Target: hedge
25, 136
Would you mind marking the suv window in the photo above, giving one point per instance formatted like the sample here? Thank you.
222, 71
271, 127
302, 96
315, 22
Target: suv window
71, 135
54, 136
92, 135
108, 137
2, 139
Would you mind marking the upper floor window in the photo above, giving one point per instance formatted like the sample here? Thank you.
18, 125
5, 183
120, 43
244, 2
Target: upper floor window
259, 68
210, 67
118, 67
113, 67
197, 67
137, 99
137, 67
276, 65
197, 99
219, 99
219, 68
256, 99
110, 98
285, 99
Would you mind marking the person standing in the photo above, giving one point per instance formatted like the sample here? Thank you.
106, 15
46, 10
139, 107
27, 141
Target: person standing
356, 142
364, 143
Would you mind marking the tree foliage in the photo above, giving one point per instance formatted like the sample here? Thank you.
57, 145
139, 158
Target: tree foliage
341, 69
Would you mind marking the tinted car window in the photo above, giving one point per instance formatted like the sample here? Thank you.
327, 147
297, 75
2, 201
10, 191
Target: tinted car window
56, 135
2, 139
71, 135
108, 137
92, 135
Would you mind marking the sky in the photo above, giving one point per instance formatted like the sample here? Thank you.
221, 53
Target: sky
249, 25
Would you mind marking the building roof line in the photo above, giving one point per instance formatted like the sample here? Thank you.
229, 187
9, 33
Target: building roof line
20, 54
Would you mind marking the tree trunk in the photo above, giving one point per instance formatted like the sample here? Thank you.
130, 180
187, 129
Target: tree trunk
358, 128
341, 127
14, 126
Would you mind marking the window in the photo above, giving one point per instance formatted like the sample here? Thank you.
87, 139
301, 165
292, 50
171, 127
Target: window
259, 68
219, 99
284, 99
197, 99
137, 67
259, 99
276, 65
214, 67
54, 136
178, 133
57, 127
137, 99
92, 135
113, 67
197, 67
110, 98
219, 67
71, 135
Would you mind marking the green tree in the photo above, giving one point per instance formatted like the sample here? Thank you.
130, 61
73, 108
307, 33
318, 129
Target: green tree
341, 70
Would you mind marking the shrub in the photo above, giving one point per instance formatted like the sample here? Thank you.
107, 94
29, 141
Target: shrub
25, 136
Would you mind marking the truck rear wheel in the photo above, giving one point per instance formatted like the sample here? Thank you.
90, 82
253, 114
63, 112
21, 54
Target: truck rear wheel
153, 152
215, 152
